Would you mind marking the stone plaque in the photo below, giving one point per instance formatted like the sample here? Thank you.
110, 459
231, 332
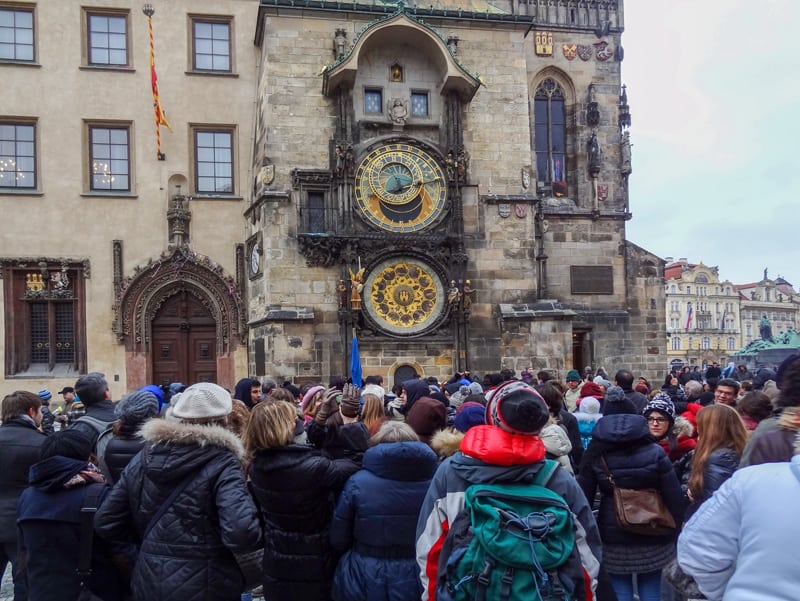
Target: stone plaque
593, 279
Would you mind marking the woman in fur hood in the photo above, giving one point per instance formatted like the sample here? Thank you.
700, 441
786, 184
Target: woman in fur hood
184, 501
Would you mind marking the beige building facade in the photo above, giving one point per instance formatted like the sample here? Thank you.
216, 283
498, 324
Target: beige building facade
445, 182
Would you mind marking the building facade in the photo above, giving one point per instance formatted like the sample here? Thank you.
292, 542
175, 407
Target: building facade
767, 303
446, 182
703, 315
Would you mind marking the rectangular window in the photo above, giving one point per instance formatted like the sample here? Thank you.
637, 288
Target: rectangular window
107, 39
419, 104
109, 158
316, 212
212, 46
45, 323
16, 34
17, 156
213, 154
373, 101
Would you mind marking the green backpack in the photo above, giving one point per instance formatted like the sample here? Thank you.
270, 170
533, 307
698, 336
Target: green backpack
511, 542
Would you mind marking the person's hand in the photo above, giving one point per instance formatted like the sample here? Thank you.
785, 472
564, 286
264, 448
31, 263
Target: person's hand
351, 393
328, 405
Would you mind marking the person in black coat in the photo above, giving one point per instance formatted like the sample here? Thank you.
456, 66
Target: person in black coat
20, 441
622, 442
187, 552
296, 487
116, 447
49, 519
376, 516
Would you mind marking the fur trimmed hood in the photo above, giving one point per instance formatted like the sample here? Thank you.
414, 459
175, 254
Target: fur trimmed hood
446, 442
161, 431
683, 427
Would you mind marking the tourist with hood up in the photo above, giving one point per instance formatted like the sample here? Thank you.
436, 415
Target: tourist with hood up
427, 417
62, 482
413, 390
587, 417
622, 444
184, 501
506, 450
373, 524
248, 390
296, 486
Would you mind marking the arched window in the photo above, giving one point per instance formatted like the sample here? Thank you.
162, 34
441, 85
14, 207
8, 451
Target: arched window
550, 133
701, 279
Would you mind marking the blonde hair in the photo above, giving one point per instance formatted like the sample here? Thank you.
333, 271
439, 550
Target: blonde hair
393, 431
281, 394
271, 426
372, 412
238, 417
718, 426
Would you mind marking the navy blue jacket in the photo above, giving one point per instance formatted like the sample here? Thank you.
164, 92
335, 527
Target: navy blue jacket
50, 532
375, 522
19, 450
635, 461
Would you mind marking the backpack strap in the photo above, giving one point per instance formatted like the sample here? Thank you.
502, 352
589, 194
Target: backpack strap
100, 453
545, 473
91, 501
170, 499
98, 424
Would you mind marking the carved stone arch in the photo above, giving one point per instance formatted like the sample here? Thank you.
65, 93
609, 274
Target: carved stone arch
561, 78
141, 295
399, 26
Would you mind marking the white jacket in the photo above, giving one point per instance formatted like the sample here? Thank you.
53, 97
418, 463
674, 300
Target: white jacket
741, 545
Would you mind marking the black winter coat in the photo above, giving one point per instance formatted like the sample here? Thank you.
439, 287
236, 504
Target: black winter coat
19, 450
120, 449
635, 461
296, 488
375, 522
720, 465
188, 554
50, 527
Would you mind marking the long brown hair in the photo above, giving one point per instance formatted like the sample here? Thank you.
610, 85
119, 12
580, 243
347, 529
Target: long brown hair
372, 413
718, 426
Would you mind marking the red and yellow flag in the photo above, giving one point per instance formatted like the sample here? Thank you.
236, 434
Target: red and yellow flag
161, 117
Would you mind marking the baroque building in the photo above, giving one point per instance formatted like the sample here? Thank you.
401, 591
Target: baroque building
446, 182
703, 315
767, 302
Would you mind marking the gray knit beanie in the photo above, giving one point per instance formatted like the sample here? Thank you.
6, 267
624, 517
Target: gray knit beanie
137, 406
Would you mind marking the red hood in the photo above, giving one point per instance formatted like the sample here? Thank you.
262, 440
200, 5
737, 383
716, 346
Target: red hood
685, 444
498, 447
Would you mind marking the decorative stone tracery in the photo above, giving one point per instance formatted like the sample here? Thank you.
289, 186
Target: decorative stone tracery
139, 297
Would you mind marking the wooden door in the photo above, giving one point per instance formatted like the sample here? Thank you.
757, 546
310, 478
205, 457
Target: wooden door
184, 342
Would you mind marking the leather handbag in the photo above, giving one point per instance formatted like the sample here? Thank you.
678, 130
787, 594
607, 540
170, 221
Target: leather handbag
640, 510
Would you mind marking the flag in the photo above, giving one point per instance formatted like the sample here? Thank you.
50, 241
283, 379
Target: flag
722, 321
161, 118
355, 363
689, 317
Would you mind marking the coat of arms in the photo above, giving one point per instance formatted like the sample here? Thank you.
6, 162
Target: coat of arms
521, 210
604, 51
544, 43
602, 192
584, 52
570, 51
504, 210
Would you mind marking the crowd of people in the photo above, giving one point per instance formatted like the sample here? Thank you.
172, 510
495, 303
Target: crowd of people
505, 486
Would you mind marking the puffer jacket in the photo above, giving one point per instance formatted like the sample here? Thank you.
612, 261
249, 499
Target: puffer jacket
188, 554
121, 448
720, 465
20, 442
635, 461
296, 488
375, 522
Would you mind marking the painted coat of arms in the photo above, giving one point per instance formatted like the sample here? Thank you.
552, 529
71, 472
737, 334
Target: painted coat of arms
584, 52
570, 51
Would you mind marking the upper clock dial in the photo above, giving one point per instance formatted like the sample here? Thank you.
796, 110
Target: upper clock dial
400, 188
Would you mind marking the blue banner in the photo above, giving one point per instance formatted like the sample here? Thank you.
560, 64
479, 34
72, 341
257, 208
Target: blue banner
355, 363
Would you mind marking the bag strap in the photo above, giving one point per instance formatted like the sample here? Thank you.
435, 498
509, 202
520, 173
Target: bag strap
91, 502
545, 473
609, 477
170, 499
100, 452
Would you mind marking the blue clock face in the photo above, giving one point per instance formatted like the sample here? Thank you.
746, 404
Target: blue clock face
400, 188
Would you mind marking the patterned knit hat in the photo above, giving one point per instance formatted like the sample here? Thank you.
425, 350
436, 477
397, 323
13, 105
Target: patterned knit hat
45, 395
662, 403
517, 408
137, 406
202, 401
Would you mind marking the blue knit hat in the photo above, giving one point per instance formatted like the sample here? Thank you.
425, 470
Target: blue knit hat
469, 414
45, 395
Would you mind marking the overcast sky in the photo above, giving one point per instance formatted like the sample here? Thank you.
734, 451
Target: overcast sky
714, 90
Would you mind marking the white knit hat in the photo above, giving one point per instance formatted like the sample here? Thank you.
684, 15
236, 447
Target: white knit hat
201, 400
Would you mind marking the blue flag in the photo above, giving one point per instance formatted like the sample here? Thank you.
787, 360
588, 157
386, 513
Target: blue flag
355, 363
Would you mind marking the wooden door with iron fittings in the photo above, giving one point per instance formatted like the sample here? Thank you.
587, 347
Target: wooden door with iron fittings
184, 342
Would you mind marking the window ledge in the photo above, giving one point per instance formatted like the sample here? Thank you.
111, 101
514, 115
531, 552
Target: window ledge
39, 371
18, 192
212, 73
121, 69
108, 194
12, 63
201, 196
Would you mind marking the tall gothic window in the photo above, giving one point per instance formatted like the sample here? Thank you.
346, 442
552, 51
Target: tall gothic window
550, 132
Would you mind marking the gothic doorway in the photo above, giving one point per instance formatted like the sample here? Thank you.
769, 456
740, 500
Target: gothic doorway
581, 351
183, 342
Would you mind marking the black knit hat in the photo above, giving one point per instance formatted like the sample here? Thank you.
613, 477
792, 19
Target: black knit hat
66, 443
517, 408
617, 403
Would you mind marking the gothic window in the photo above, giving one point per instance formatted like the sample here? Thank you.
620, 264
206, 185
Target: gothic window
550, 133
44, 321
